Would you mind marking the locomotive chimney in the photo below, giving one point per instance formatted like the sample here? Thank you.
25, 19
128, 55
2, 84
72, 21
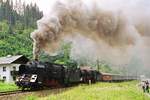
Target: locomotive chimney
36, 50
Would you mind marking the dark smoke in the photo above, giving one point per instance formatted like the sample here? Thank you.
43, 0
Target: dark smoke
95, 23
116, 31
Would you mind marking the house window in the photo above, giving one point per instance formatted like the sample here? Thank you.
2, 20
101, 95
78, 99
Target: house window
4, 69
4, 78
14, 68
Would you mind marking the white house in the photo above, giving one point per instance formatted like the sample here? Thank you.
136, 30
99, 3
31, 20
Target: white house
9, 65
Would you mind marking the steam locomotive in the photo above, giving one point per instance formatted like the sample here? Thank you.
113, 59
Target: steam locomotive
36, 75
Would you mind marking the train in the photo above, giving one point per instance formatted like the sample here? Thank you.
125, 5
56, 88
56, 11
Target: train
37, 75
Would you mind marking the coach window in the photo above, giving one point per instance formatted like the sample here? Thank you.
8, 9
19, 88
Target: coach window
4, 69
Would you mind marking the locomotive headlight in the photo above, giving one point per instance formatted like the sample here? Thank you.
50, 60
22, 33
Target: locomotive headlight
17, 79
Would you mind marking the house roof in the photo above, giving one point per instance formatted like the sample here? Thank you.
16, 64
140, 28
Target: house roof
18, 59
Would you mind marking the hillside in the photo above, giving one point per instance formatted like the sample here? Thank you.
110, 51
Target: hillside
17, 21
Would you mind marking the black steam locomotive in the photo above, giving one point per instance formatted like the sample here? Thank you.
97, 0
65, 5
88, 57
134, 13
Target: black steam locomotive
36, 75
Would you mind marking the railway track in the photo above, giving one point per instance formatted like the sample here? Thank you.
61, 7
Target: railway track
20, 95
53, 90
10, 92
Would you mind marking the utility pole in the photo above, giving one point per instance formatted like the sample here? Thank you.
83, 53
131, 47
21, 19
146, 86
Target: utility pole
98, 66
126, 67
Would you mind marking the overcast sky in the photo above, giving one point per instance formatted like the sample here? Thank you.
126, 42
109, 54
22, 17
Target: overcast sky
43, 4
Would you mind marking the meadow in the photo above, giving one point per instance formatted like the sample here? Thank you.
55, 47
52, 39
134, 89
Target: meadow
7, 87
99, 91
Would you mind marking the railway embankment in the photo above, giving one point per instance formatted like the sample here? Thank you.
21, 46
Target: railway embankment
98, 91
102, 91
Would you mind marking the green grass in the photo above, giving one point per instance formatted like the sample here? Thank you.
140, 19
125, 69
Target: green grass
101, 91
7, 87
31, 97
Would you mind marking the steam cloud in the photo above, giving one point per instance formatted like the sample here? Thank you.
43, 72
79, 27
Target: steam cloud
115, 28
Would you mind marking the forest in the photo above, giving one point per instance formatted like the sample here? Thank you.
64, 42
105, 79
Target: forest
17, 20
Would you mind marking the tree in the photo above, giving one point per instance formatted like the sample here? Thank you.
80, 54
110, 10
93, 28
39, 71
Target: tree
11, 21
10, 31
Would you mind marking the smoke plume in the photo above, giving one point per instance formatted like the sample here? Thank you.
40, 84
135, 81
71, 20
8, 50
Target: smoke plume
113, 29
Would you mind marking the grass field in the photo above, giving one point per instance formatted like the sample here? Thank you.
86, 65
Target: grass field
7, 87
99, 91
